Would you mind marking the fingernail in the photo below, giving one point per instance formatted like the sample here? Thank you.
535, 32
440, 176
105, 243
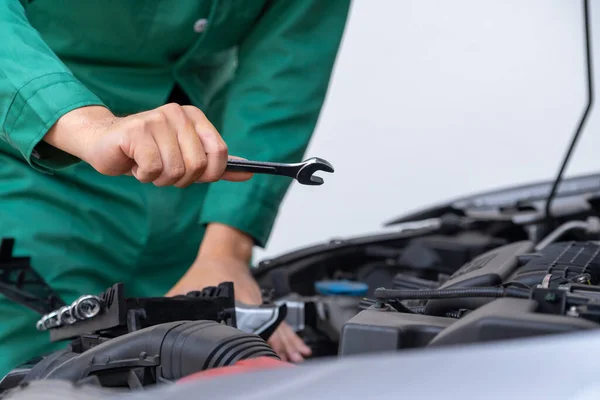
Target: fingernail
296, 357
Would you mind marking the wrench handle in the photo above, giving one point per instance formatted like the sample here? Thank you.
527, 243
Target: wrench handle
261, 167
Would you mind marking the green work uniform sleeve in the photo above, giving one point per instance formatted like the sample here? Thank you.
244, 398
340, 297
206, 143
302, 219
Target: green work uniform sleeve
272, 106
36, 89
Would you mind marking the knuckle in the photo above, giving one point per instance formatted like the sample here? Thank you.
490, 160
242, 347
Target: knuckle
222, 149
154, 168
158, 117
199, 165
144, 178
170, 106
176, 173
174, 110
138, 125
195, 111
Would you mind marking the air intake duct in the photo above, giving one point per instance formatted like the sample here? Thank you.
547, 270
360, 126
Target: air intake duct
176, 349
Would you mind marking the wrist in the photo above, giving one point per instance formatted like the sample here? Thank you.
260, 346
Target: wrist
223, 241
74, 131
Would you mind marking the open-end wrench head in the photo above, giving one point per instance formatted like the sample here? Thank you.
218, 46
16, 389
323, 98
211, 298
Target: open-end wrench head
308, 167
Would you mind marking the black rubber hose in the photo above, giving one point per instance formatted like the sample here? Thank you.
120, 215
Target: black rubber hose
181, 348
418, 310
489, 292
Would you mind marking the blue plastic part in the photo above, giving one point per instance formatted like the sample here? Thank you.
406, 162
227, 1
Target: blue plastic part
341, 288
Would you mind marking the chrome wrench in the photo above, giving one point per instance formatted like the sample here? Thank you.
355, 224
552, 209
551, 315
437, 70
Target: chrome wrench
303, 172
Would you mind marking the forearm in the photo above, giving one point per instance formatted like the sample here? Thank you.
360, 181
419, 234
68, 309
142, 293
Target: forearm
72, 132
224, 241
223, 256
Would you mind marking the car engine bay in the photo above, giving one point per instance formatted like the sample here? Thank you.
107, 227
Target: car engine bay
496, 267
489, 267
478, 269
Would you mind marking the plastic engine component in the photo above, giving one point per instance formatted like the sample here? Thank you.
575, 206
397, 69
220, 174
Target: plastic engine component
177, 349
559, 263
386, 330
508, 319
489, 269
567, 261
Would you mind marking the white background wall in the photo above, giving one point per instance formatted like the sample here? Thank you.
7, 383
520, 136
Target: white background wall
433, 99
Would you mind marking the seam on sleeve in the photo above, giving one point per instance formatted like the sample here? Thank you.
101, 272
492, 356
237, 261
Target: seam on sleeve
18, 92
26, 101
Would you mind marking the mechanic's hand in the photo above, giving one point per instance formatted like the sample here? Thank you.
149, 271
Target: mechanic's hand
171, 145
288, 345
208, 271
224, 257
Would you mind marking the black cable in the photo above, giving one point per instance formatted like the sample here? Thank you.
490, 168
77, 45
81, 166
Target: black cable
516, 284
366, 303
488, 292
590, 102
418, 310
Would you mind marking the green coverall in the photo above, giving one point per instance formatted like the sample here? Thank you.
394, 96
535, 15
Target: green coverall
259, 69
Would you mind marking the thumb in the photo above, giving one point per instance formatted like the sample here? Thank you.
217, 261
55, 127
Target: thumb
236, 176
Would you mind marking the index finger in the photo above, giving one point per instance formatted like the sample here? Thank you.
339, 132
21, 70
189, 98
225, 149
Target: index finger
215, 148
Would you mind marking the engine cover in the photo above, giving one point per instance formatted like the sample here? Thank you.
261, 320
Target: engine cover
560, 263
552, 274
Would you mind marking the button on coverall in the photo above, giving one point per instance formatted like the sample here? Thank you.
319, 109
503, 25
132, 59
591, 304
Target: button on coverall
259, 69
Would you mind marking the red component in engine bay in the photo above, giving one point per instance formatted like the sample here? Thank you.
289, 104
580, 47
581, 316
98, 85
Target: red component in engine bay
252, 364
